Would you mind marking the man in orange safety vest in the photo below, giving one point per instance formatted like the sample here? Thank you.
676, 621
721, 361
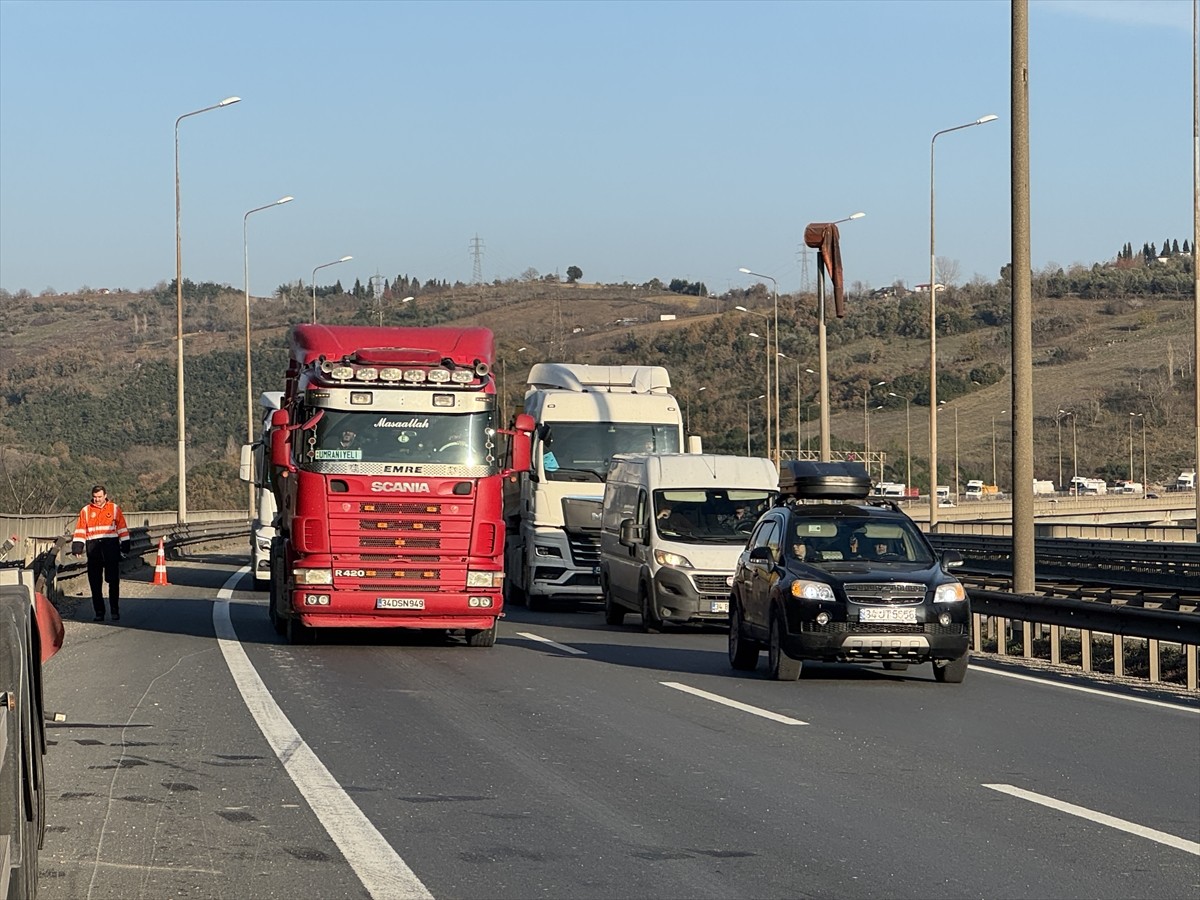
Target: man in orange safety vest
101, 532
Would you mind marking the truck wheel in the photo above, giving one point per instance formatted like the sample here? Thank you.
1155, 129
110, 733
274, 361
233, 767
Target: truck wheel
483, 637
651, 623
297, 631
614, 613
743, 654
780, 666
951, 671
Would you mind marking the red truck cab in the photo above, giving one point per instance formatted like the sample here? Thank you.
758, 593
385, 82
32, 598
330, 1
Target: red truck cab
387, 465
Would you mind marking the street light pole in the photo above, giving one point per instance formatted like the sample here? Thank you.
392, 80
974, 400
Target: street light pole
182, 437
767, 350
249, 379
907, 439
403, 300
1145, 483
1058, 424
994, 482
314, 282
933, 459
687, 412
867, 424
748, 402
775, 296
822, 349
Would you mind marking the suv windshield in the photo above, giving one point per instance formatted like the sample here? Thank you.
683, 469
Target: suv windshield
713, 515
821, 541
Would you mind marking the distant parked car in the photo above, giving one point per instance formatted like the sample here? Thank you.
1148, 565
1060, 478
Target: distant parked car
1152, 496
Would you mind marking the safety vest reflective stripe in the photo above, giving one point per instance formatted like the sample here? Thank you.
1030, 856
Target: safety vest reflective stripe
97, 522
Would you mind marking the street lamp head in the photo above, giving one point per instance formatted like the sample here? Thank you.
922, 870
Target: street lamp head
985, 119
406, 299
346, 259
705, 388
811, 371
229, 101
754, 334
857, 215
744, 271
522, 349
741, 308
283, 200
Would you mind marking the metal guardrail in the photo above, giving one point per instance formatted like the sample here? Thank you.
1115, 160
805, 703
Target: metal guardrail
52, 561
1143, 564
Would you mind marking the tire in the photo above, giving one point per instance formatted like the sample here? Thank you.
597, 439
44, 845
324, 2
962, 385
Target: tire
297, 632
483, 637
651, 623
893, 666
780, 666
743, 653
951, 671
614, 613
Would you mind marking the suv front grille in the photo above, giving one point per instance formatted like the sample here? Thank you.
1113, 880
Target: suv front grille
935, 628
885, 592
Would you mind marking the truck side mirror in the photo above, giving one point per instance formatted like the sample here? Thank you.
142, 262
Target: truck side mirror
522, 442
246, 464
279, 440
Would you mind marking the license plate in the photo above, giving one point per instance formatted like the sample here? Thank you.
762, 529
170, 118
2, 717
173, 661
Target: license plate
902, 615
719, 606
400, 603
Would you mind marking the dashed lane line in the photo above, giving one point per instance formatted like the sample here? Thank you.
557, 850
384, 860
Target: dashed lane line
555, 644
735, 704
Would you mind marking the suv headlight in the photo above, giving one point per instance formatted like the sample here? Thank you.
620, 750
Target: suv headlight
663, 558
812, 590
313, 576
949, 593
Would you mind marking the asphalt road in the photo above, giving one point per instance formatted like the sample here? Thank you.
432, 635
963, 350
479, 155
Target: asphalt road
609, 763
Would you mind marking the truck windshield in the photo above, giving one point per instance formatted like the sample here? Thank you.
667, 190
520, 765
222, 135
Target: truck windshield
416, 438
709, 515
574, 451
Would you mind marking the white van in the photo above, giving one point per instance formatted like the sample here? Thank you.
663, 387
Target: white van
672, 527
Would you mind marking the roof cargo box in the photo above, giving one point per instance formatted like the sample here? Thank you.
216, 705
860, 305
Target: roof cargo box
823, 481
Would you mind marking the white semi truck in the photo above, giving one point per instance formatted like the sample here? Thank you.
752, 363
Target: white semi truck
254, 470
584, 415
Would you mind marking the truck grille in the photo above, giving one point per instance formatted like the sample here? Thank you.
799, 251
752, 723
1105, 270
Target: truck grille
585, 550
885, 592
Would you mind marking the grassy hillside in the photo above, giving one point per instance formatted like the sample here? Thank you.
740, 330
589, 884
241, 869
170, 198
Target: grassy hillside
87, 383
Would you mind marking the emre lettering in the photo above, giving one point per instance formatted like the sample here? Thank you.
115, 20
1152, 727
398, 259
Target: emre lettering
400, 487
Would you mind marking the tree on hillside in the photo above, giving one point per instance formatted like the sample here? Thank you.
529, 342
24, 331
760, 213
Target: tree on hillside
1186, 249
1166, 247
948, 270
1175, 247
531, 274
574, 273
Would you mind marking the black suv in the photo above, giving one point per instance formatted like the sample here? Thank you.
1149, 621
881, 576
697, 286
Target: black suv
828, 575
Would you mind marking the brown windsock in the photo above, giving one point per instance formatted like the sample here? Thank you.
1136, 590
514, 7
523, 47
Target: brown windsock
823, 237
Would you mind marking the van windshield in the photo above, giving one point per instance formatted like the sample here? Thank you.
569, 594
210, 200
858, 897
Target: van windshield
709, 515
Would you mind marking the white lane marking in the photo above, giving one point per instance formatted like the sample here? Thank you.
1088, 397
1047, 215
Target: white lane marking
557, 646
1088, 690
1111, 821
380, 869
725, 701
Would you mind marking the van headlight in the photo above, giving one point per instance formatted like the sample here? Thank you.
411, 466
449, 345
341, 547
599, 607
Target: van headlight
949, 593
812, 590
313, 576
665, 558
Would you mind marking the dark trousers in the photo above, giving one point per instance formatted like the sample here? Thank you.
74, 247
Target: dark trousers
104, 562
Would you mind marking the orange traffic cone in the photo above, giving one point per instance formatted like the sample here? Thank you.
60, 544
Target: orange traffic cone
160, 566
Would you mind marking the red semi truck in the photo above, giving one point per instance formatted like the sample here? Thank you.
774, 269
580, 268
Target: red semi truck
387, 471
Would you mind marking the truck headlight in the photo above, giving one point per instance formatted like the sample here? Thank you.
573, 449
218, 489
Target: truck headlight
313, 576
812, 590
485, 579
949, 593
663, 558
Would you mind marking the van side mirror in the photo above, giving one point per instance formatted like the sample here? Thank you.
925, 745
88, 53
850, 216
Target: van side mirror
629, 535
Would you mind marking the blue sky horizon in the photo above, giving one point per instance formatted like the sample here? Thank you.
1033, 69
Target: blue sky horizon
633, 140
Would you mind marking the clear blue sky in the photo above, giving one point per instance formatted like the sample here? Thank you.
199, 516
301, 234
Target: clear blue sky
634, 140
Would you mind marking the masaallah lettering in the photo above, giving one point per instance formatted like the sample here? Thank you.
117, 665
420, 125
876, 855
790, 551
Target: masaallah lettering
400, 487
385, 422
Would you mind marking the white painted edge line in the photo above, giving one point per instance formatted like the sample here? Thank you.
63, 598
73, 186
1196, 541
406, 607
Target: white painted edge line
557, 646
725, 701
1088, 690
380, 869
1111, 821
